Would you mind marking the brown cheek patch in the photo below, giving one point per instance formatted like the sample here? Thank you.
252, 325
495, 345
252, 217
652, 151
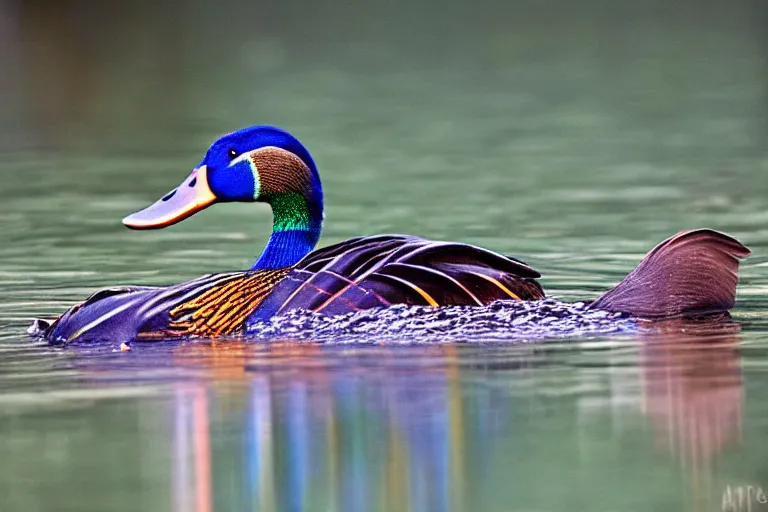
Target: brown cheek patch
281, 171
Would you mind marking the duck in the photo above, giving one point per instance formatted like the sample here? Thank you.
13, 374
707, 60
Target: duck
692, 273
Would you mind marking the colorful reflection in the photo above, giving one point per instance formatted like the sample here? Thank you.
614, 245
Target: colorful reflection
288, 427
316, 438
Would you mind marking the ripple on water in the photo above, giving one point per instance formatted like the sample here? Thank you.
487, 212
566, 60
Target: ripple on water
510, 321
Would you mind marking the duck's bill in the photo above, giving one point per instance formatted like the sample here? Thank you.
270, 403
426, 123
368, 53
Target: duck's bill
190, 197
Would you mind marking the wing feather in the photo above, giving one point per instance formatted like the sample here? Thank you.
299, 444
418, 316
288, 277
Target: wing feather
377, 271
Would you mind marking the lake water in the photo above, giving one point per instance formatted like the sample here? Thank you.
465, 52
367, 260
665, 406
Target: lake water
574, 138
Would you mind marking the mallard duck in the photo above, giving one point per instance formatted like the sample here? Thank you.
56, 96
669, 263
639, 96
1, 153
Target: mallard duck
693, 272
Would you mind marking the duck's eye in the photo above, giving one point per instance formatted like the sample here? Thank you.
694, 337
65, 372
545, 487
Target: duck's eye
232, 153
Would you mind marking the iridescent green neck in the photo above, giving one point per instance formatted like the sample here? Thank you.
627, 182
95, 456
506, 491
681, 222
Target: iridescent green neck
296, 226
290, 211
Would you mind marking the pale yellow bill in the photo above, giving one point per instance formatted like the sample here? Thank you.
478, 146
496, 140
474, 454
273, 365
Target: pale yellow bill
190, 197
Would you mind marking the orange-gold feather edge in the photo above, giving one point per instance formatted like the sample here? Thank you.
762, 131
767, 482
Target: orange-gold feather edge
224, 309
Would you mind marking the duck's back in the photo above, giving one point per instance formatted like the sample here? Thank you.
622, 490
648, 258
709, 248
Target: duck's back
357, 274
367, 272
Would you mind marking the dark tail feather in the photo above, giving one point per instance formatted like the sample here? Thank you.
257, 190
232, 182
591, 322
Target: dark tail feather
692, 273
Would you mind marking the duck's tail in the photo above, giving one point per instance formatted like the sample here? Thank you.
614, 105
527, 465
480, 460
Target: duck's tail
692, 273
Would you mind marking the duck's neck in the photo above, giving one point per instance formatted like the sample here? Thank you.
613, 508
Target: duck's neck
298, 220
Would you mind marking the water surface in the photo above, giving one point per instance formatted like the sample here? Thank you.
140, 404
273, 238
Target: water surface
574, 139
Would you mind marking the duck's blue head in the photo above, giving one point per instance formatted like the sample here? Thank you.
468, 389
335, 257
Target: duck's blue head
260, 163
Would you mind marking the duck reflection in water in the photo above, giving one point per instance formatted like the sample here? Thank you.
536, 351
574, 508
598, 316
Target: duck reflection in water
280, 427
373, 437
693, 390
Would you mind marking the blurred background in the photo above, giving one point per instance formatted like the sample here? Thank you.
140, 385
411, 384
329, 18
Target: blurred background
510, 116
573, 135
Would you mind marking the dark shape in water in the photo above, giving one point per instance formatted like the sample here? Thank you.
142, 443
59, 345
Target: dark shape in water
692, 273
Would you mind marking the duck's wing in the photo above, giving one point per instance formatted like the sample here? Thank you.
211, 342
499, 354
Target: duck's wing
362, 273
224, 308
215, 304
357, 274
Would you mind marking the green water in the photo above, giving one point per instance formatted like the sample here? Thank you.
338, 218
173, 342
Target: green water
572, 137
